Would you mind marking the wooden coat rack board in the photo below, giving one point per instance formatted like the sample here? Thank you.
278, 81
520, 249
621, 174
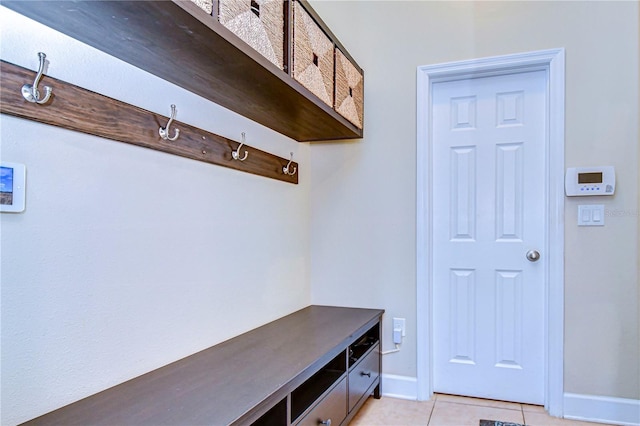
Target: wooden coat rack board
74, 108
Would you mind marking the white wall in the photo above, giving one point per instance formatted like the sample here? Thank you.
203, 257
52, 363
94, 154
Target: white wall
127, 258
363, 194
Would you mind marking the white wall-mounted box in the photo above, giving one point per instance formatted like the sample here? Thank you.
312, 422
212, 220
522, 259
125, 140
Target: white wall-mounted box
588, 181
12, 187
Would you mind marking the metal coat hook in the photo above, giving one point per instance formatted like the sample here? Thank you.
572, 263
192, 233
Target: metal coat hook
285, 169
164, 131
236, 154
30, 91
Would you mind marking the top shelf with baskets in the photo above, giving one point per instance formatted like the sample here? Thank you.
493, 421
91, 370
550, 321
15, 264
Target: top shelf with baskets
184, 43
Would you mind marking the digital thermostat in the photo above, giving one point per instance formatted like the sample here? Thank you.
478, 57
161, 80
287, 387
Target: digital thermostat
585, 181
12, 185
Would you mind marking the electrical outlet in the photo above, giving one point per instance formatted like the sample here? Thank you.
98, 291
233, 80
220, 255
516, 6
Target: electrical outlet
400, 323
397, 336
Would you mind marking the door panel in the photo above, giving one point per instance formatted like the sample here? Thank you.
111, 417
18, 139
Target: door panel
489, 157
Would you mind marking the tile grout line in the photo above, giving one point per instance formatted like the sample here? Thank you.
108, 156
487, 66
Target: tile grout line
433, 407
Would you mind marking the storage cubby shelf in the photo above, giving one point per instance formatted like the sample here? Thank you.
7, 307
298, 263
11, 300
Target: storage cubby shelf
180, 43
304, 396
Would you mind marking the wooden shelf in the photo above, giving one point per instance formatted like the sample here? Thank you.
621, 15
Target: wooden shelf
180, 43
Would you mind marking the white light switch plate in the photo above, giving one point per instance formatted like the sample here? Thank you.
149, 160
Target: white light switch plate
591, 215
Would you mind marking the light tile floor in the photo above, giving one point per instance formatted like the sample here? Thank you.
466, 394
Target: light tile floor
450, 410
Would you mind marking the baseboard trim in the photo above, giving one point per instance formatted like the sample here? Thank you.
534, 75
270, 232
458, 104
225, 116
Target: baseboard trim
590, 408
402, 387
602, 409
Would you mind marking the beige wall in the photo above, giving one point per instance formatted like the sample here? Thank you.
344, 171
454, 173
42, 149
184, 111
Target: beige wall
363, 193
95, 292
125, 258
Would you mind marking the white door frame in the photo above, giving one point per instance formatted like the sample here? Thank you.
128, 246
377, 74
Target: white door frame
552, 61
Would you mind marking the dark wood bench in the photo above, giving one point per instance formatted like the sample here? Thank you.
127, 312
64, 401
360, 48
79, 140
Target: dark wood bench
316, 365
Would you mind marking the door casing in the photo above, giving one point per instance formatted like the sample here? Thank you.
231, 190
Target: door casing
552, 62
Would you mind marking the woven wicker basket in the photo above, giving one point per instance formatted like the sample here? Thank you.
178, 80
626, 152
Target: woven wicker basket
313, 55
206, 5
349, 90
259, 23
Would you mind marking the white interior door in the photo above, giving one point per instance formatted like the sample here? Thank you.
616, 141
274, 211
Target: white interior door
489, 224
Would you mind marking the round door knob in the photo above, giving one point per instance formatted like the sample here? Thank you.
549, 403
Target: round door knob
533, 255
325, 422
